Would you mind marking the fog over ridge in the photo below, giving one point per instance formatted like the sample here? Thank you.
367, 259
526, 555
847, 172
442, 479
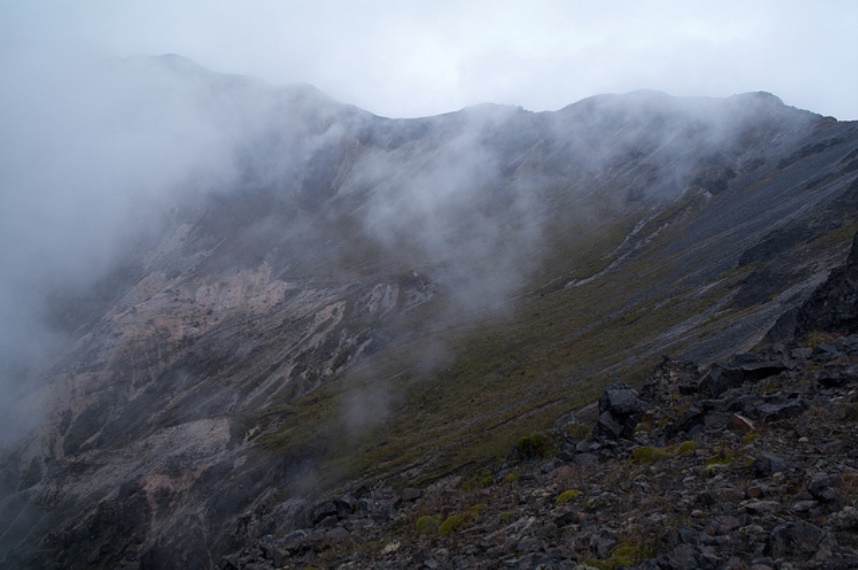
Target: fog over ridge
92, 158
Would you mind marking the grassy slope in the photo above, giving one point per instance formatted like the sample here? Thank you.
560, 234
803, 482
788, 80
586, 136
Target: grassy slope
516, 374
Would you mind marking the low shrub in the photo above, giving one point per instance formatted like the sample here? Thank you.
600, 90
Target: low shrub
533, 446
428, 524
567, 496
506, 517
648, 455
511, 477
751, 437
451, 525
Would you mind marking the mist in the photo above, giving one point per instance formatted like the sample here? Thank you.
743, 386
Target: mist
91, 155
99, 156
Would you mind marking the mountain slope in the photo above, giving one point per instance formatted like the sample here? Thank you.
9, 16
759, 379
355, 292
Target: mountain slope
367, 298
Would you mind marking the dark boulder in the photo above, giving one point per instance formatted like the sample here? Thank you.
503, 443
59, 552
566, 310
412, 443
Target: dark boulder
833, 306
796, 539
823, 486
620, 400
619, 410
768, 464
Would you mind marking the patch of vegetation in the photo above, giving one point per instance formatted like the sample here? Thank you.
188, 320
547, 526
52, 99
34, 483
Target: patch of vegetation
686, 446
475, 510
578, 431
722, 456
751, 437
814, 339
482, 479
428, 524
506, 517
622, 555
341, 359
567, 496
511, 477
533, 446
452, 525
647, 455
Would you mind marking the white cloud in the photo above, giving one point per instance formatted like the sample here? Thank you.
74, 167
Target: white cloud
407, 58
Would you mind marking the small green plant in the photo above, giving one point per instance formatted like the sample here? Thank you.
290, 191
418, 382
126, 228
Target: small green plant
622, 555
482, 479
567, 496
721, 457
475, 510
686, 446
751, 437
814, 339
511, 477
506, 517
428, 524
451, 525
578, 431
648, 455
532, 446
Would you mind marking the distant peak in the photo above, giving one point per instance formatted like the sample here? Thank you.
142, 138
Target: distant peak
179, 62
760, 97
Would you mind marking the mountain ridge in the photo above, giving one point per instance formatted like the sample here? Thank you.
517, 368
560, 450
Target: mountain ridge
401, 299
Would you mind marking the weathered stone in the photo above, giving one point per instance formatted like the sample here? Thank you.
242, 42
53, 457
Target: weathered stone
740, 424
846, 519
620, 400
337, 536
683, 557
778, 412
608, 426
730, 494
795, 538
719, 379
411, 494
323, 511
745, 368
801, 353
823, 486
833, 379
767, 464
833, 306
762, 507
715, 420
586, 459
571, 517
833, 446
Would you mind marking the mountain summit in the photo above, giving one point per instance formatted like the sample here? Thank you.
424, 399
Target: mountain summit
318, 298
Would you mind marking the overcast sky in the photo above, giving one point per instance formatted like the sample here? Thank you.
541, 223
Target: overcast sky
400, 58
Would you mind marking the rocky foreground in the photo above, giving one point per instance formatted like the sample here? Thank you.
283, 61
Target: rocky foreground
750, 463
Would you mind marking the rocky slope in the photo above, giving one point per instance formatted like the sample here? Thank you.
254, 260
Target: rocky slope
401, 300
749, 463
